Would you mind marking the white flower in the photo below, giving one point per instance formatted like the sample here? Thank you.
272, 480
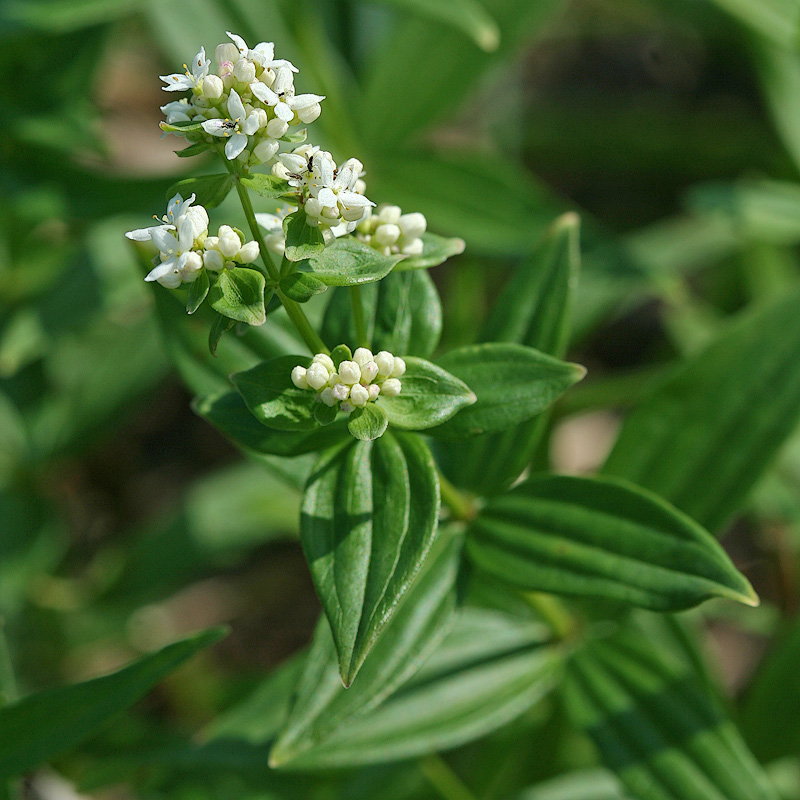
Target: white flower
331, 195
317, 375
341, 391
189, 80
349, 372
229, 241
177, 111
247, 253
359, 395
385, 362
238, 127
299, 377
213, 87
177, 209
263, 53
273, 225
281, 97
391, 387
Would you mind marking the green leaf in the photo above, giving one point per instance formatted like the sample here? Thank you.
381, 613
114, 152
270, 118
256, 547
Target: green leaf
228, 413
43, 725
193, 150
302, 240
239, 295
295, 137
268, 185
198, 290
402, 314
705, 437
211, 190
599, 538
488, 671
534, 310
467, 16
220, 326
423, 618
181, 127
435, 250
368, 423
776, 20
349, 262
368, 519
301, 286
273, 399
656, 726
429, 396
325, 414
512, 383
583, 784
341, 353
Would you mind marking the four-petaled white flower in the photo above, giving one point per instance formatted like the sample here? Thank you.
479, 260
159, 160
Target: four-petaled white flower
178, 82
281, 96
332, 192
263, 53
176, 208
238, 127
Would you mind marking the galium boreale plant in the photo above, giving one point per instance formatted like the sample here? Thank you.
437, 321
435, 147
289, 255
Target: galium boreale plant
421, 504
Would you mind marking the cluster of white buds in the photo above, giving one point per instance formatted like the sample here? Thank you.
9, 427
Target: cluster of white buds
333, 197
249, 99
356, 382
185, 247
389, 230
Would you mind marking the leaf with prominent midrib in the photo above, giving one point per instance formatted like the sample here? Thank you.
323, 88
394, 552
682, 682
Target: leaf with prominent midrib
534, 309
488, 671
368, 519
656, 726
423, 618
349, 262
42, 725
601, 538
705, 437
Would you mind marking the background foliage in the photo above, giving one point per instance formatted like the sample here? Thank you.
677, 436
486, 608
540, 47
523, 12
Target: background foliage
127, 522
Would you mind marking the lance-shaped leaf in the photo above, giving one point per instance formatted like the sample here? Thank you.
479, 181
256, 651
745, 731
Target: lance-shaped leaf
368, 519
268, 185
435, 250
423, 617
402, 314
349, 262
512, 383
273, 399
534, 309
239, 295
656, 726
429, 396
601, 538
228, 413
211, 190
42, 725
705, 437
489, 670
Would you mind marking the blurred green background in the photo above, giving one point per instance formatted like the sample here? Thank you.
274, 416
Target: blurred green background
672, 126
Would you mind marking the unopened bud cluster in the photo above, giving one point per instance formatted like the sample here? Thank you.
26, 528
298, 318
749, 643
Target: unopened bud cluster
185, 246
355, 383
248, 99
389, 230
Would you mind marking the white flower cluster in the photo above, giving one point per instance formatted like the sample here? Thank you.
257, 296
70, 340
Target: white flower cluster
249, 99
356, 382
389, 230
333, 197
185, 246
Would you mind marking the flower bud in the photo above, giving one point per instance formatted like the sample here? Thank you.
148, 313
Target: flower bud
226, 71
399, 367
213, 260
412, 248
326, 395
247, 253
389, 214
276, 128
229, 241
265, 150
391, 387
227, 51
191, 266
413, 225
352, 213
385, 362
299, 377
244, 71
374, 390
362, 356
317, 375
359, 395
280, 171
326, 361
361, 186
349, 372
341, 391
309, 114
386, 234
347, 407
369, 372
212, 87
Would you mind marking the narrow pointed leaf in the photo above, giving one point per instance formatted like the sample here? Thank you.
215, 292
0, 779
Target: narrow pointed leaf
512, 383
43, 725
211, 190
423, 618
656, 726
601, 538
349, 262
368, 519
534, 310
706, 435
402, 314
489, 670
198, 290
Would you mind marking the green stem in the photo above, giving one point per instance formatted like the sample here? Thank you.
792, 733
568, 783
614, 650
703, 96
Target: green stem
443, 779
357, 304
553, 613
300, 320
255, 230
461, 506
8, 684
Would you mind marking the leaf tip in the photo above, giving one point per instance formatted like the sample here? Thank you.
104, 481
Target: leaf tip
488, 37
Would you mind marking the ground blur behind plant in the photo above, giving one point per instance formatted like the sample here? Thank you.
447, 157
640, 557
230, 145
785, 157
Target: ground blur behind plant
126, 521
